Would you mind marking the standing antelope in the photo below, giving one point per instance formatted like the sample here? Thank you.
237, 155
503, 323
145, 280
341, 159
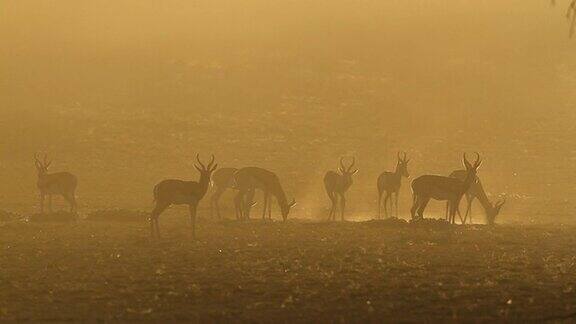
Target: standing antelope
476, 191
251, 178
436, 187
390, 183
336, 185
178, 192
61, 183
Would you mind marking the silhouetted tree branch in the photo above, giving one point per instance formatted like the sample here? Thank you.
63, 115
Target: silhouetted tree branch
571, 16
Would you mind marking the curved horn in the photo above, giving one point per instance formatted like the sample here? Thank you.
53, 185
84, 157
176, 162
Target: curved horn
198, 159
405, 156
342, 164
399, 157
465, 161
211, 162
352, 165
477, 163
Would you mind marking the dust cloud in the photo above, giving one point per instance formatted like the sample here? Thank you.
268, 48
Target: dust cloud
125, 93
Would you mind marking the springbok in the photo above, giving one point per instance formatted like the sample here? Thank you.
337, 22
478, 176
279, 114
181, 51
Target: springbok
336, 185
476, 191
436, 187
61, 183
222, 180
177, 192
390, 183
247, 180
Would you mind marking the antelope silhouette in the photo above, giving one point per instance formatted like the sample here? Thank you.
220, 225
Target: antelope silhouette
248, 180
222, 180
49, 184
178, 192
336, 185
476, 191
436, 187
390, 183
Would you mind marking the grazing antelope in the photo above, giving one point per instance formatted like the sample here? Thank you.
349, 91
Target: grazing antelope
61, 183
336, 185
390, 183
476, 191
251, 178
436, 187
178, 192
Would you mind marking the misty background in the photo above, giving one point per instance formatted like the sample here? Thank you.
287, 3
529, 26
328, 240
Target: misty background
125, 93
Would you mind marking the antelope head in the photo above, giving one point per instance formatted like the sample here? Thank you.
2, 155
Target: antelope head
402, 165
42, 166
494, 211
205, 171
472, 169
285, 209
347, 172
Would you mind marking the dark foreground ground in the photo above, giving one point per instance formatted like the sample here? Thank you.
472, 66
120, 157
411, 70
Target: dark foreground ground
295, 271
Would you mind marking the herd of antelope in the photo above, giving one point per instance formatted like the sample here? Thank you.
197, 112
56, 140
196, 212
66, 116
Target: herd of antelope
247, 180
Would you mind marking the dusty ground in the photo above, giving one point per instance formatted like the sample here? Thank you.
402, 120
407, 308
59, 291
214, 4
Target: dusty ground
295, 271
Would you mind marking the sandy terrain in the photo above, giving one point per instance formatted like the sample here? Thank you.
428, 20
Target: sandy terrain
300, 270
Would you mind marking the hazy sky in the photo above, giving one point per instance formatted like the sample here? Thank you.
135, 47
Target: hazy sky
438, 53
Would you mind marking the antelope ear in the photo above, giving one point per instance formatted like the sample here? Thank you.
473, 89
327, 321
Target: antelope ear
341, 170
355, 171
214, 167
293, 203
197, 168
